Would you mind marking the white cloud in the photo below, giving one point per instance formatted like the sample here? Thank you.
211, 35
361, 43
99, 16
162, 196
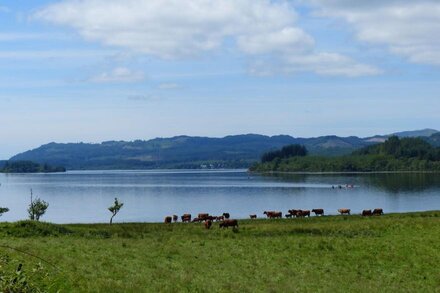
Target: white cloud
408, 28
178, 29
119, 74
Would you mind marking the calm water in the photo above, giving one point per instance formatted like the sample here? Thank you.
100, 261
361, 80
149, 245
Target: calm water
151, 195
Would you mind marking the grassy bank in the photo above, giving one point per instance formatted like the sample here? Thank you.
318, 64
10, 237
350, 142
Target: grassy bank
335, 253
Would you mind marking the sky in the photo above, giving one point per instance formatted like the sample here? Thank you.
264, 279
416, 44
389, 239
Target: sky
98, 70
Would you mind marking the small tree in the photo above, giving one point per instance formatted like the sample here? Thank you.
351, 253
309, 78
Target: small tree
37, 208
115, 209
3, 210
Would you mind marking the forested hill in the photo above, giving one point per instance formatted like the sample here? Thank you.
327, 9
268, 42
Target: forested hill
238, 151
395, 154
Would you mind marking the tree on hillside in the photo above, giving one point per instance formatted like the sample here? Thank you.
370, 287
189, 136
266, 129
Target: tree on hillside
293, 150
37, 208
115, 209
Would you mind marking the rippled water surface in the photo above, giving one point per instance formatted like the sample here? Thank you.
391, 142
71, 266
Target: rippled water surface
84, 196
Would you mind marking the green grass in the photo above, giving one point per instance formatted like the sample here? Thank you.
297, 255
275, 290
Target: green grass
398, 252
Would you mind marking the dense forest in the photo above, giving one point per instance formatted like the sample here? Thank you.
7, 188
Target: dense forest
28, 167
395, 154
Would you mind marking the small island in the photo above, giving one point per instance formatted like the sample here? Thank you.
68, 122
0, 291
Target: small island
28, 167
393, 155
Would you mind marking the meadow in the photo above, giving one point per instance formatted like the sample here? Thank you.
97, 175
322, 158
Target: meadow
395, 252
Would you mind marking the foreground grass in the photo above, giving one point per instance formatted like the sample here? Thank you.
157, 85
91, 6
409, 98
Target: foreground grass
399, 252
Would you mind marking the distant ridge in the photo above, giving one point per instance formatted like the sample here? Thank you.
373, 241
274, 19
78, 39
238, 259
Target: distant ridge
234, 151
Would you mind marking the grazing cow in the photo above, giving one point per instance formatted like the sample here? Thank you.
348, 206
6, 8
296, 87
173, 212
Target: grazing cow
344, 211
186, 218
378, 212
288, 215
367, 213
229, 223
294, 213
226, 215
318, 212
253, 216
273, 214
211, 218
175, 218
195, 220
168, 220
302, 213
208, 224
219, 218
203, 216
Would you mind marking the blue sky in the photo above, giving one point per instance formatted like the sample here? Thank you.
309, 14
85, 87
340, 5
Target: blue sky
100, 70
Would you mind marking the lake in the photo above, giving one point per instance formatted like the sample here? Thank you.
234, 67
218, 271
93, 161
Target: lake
149, 196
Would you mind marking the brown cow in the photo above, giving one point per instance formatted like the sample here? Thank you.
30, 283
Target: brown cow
219, 218
226, 215
168, 220
253, 216
229, 223
293, 212
378, 212
273, 214
367, 213
318, 212
344, 211
203, 216
302, 213
195, 220
175, 218
186, 218
208, 224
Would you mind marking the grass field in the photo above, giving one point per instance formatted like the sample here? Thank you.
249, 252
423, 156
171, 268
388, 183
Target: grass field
394, 253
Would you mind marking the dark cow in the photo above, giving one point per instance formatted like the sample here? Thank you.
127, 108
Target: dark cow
273, 214
211, 218
344, 211
253, 216
318, 212
378, 212
175, 218
367, 213
208, 224
186, 218
219, 218
288, 215
302, 213
226, 215
196, 220
168, 220
294, 213
203, 216
229, 223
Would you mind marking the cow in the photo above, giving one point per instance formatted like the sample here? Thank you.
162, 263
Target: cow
288, 215
168, 220
219, 218
318, 212
253, 216
203, 216
378, 212
367, 213
294, 213
208, 224
344, 211
226, 215
273, 214
195, 220
186, 218
229, 223
175, 218
211, 218
302, 213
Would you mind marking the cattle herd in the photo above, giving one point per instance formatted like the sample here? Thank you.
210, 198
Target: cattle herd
225, 221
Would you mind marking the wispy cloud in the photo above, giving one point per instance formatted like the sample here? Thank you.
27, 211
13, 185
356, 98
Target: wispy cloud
168, 86
408, 28
54, 54
174, 29
119, 74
